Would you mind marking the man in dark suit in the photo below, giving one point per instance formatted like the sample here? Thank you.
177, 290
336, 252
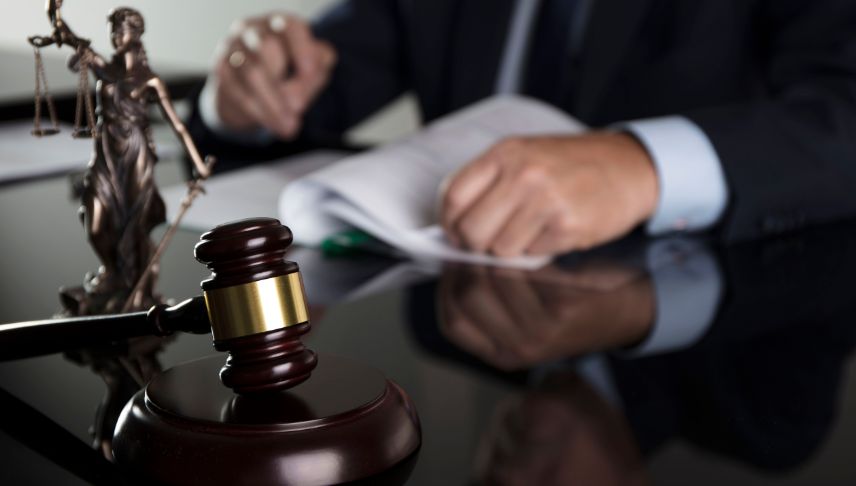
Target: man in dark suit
734, 114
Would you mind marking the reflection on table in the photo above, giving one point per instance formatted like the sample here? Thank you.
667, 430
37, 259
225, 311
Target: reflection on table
610, 377
599, 369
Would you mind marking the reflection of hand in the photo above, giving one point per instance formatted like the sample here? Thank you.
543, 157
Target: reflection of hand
562, 433
550, 195
271, 71
515, 319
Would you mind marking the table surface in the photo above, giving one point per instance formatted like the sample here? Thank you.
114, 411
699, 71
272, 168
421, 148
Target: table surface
518, 378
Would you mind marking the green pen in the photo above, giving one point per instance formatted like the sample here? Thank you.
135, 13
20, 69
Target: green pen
347, 242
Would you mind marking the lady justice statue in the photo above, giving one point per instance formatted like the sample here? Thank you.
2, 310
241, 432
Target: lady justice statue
120, 202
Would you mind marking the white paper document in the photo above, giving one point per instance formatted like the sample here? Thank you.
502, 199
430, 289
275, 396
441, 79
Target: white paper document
393, 192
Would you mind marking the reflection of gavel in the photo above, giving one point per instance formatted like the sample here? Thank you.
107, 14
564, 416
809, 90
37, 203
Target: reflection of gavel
348, 422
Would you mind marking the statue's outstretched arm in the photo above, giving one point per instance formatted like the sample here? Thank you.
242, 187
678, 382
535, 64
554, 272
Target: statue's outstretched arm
63, 35
178, 127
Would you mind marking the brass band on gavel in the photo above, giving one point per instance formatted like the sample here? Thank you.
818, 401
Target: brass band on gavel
257, 307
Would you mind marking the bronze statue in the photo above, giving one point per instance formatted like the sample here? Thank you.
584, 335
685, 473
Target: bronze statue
120, 201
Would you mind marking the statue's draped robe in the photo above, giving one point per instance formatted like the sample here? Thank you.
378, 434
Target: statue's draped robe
121, 178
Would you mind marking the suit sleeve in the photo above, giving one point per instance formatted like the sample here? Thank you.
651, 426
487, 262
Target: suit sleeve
369, 37
790, 157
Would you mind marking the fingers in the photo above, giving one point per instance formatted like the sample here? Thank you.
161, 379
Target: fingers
305, 49
501, 203
273, 50
310, 76
246, 100
262, 74
523, 227
277, 113
480, 224
560, 234
235, 107
463, 190
247, 94
311, 60
304, 73
269, 74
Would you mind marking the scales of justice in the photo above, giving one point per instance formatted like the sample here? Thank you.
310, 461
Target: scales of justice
279, 413
120, 204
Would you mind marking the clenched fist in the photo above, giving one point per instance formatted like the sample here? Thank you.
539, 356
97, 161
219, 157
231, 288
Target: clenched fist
270, 71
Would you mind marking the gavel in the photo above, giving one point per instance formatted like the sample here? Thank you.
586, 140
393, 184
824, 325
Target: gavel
272, 425
253, 303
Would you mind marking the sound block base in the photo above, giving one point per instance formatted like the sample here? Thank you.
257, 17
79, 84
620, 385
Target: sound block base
347, 422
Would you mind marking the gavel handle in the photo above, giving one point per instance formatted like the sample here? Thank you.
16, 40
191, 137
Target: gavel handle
33, 338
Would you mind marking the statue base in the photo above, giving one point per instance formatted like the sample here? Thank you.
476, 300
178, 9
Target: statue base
346, 423
86, 300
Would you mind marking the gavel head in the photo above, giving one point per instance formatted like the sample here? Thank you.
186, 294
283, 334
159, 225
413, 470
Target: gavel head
256, 305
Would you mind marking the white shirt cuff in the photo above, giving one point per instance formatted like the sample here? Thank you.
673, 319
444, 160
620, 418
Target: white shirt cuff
688, 288
693, 189
212, 120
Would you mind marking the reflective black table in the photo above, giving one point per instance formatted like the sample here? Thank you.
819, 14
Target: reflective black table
646, 362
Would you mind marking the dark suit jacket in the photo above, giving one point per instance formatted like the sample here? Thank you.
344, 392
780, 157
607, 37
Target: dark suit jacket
771, 82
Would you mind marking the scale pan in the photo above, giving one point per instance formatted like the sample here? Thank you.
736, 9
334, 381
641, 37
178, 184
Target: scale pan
44, 132
82, 133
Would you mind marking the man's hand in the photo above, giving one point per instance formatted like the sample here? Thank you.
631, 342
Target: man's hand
550, 195
271, 70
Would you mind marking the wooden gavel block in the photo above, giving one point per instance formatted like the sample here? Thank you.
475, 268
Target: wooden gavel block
285, 415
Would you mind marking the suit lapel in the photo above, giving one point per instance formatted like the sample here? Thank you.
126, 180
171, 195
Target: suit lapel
611, 28
480, 33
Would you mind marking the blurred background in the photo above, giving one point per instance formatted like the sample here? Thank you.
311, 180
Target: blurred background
180, 34
177, 32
